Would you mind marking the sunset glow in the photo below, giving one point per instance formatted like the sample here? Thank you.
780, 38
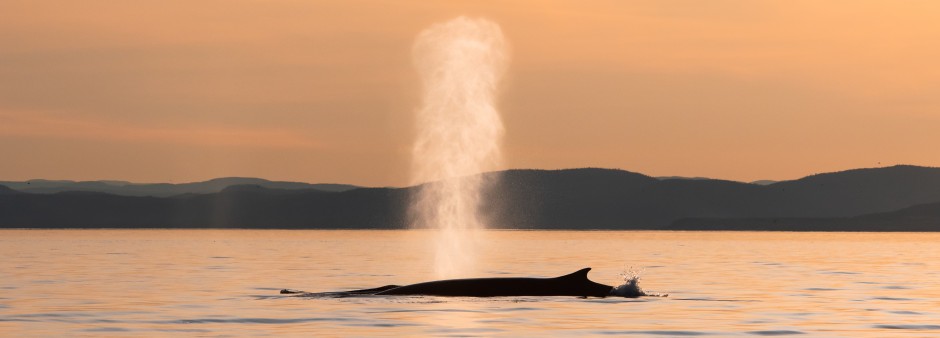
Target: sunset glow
325, 91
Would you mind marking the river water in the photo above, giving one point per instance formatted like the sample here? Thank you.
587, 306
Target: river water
226, 283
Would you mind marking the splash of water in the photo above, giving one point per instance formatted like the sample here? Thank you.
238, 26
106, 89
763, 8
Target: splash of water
460, 62
630, 287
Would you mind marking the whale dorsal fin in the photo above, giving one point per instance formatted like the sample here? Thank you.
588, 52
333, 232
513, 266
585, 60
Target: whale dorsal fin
577, 275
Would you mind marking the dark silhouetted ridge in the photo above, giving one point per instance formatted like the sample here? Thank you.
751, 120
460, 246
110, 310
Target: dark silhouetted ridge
924, 217
4, 190
859, 191
162, 189
899, 198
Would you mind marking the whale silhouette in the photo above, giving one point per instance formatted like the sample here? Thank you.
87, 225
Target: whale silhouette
573, 284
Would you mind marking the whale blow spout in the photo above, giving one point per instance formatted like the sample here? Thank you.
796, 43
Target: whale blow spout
458, 134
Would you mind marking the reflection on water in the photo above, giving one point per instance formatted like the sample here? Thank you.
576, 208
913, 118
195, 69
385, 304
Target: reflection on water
226, 282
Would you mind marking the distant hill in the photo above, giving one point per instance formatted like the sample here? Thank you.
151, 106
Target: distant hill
4, 190
924, 217
161, 189
763, 182
526, 199
856, 192
611, 199
681, 178
235, 207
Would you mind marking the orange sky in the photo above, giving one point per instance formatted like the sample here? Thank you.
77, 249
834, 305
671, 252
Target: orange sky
324, 91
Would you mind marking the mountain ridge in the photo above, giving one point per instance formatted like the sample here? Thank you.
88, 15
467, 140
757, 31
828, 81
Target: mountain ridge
584, 198
125, 188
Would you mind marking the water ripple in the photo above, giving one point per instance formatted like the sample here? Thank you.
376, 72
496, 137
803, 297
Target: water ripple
718, 300
251, 320
905, 312
908, 327
893, 298
420, 310
382, 324
776, 332
656, 333
106, 329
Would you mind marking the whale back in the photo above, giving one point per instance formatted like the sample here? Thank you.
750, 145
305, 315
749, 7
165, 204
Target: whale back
573, 284
578, 284
580, 275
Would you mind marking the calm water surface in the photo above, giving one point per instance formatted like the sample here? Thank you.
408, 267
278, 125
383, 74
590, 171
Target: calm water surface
226, 282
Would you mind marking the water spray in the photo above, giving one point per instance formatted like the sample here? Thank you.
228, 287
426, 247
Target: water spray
459, 133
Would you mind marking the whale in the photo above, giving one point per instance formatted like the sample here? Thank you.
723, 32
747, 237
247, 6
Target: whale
574, 284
